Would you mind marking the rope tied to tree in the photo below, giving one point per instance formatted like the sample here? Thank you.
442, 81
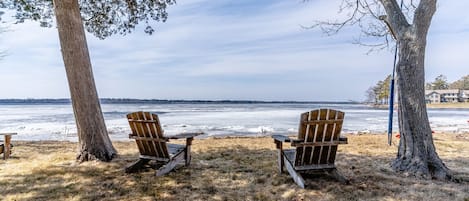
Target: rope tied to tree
391, 85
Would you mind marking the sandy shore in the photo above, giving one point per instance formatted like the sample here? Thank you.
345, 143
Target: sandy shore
435, 106
448, 105
227, 169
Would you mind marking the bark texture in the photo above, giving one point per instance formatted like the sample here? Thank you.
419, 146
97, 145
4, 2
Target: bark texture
416, 155
94, 142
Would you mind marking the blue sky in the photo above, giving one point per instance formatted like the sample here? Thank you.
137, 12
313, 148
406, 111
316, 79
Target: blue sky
225, 49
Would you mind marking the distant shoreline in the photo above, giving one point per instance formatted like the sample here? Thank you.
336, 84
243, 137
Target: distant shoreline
65, 101
435, 106
163, 101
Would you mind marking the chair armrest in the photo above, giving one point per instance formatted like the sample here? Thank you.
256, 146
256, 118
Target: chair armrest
343, 140
185, 135
281, 138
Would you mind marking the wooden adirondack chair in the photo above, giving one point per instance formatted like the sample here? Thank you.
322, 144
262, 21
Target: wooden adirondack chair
316, 146
148, 134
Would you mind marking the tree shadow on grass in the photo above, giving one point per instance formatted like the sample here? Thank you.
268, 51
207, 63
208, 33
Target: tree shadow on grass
222, 173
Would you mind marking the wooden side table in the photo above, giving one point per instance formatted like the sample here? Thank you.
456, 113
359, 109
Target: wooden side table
6, 144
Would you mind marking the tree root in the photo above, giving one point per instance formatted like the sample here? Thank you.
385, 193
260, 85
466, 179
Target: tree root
87, 156
417, 168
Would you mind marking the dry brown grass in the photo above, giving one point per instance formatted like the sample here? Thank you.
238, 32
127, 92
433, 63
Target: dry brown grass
226, 169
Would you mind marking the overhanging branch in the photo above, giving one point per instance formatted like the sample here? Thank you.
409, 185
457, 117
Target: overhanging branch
385, 19
395, 19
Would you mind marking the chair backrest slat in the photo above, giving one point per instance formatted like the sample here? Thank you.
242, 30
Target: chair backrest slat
147, 126
323, 125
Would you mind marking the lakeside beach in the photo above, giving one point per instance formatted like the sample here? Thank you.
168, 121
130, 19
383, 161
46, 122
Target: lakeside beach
220, 70
449, 105
227, 169
235, 160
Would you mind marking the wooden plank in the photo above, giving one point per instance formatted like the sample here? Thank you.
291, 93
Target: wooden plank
315, 167
150, 146
148, 139
310, 144
7, 145
336, 136
329, 150
185, 135
306, 136
294, 174
315, 116
179, 158
174, 149
153, 146
143, 121
138, 131
154, 158
134, 131
187, 155
280, 161
324, 116
278, 140
327, 133
136, 166
8, 133
320, 122
157, 132
7, 148
281, 138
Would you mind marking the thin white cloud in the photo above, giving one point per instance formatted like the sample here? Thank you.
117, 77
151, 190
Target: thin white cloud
208, 50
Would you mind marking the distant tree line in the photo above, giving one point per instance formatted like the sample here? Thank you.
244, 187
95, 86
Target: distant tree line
379, 93
441, 82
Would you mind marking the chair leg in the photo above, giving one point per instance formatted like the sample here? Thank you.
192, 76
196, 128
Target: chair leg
187, 156
294, 174
281, 161
7, 147
170, 165
187, 153
137, 165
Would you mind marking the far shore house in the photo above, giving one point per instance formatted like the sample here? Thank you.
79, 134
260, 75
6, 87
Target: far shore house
446, 96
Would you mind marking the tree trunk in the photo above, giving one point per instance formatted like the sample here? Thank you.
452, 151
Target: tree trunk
416, 154
94, 142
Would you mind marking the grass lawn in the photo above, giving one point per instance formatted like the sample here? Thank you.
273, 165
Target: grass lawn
227, 169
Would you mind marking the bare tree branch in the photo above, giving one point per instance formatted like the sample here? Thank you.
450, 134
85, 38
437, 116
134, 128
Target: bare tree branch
395, 19
369, 16
361, 13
